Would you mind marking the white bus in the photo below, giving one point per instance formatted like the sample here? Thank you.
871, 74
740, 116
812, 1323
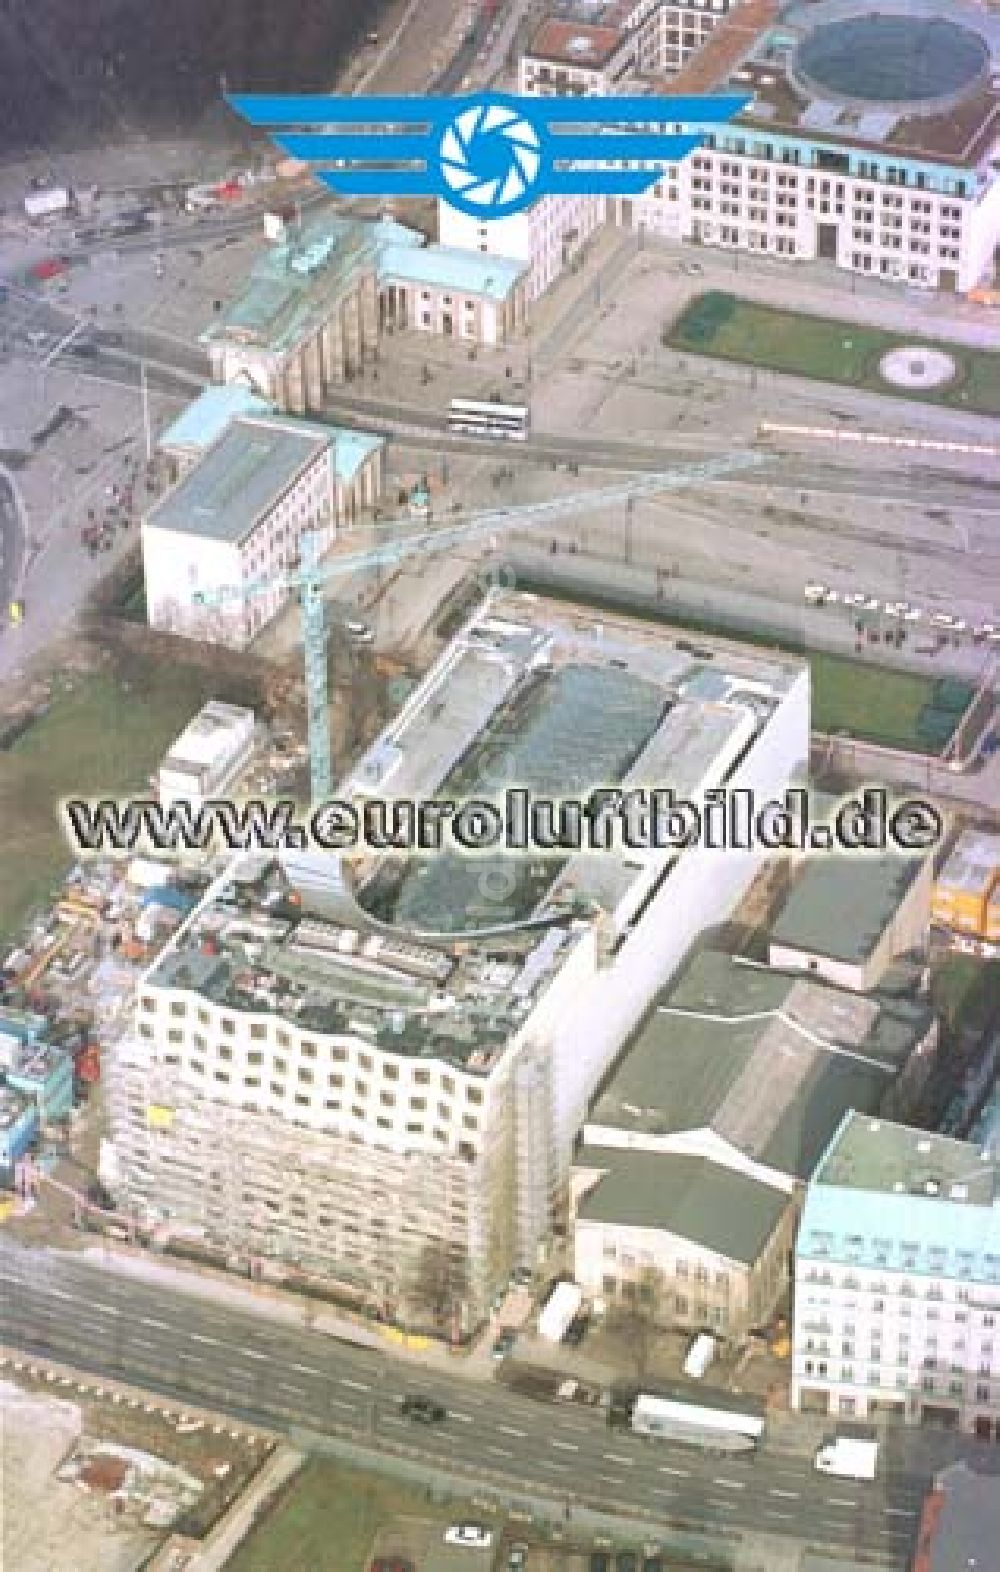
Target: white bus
477, 418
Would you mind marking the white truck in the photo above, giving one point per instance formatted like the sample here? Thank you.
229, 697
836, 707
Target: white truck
48, 203
557, 1314
846, 1458
720, 1431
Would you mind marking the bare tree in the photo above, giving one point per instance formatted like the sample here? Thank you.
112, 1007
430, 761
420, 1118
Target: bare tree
440, 1283
641, 1316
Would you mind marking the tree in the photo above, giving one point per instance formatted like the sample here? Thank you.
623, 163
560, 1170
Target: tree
641, 1315
440, 1282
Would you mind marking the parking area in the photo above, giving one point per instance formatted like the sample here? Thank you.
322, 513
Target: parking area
419, 1545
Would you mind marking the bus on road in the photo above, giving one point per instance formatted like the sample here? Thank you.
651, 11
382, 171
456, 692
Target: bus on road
483, 418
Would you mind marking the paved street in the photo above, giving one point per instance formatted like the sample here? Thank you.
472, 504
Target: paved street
11, 542
98, 1320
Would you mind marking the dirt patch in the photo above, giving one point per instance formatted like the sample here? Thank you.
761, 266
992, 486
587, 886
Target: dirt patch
223, 1462
51, 1526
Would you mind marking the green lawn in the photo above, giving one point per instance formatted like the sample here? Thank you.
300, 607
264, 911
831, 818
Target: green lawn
873, 703
102, 735
868, 702
721, 325
327, 1521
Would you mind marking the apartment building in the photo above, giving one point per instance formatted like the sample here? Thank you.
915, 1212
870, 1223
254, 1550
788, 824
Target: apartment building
897, 1280
571, 59
362, 1071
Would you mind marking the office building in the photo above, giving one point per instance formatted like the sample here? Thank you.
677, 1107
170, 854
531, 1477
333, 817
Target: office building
348, 1064
871, 139
214, 547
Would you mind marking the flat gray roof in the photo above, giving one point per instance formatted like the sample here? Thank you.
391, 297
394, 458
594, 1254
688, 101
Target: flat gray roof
841, 904
741, 1050
240, 478
875, 1154
724, 1211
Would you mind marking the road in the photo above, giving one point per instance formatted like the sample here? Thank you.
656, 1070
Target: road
102, 1322
11, 543
915, 480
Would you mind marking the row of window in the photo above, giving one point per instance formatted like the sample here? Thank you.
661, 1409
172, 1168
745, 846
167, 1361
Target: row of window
265, 1032
964, 1266
697, 1309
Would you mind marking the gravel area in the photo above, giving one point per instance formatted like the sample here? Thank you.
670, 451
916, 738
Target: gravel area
49, 1526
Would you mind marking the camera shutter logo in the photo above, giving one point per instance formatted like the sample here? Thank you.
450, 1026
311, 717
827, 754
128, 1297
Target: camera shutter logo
491, 154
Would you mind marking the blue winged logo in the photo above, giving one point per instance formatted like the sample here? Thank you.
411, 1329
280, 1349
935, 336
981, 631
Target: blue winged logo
491, 154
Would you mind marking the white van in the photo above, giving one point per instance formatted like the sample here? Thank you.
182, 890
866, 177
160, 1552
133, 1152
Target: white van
699, 1356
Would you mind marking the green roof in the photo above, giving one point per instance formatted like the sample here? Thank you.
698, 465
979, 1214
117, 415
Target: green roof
841, 905
447, 267
248, 469
292, 287
204, 420
724, 1211
739, 1049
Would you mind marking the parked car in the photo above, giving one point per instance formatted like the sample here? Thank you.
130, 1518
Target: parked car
391, 1564
424, 1409
504, 1344
473, 1535
517, 1558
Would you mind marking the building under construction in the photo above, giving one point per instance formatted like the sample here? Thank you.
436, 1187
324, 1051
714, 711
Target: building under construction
373, 1069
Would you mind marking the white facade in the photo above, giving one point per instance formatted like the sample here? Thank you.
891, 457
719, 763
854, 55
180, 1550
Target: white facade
738, 201
897, 1281
545, 237
701, 889
355, 1157
668, 35
200, 544
703, 1287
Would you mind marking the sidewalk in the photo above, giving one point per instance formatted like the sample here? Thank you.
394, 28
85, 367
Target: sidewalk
231, 1530
281, 1305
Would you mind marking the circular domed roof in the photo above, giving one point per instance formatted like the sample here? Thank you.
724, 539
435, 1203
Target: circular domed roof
891, 57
